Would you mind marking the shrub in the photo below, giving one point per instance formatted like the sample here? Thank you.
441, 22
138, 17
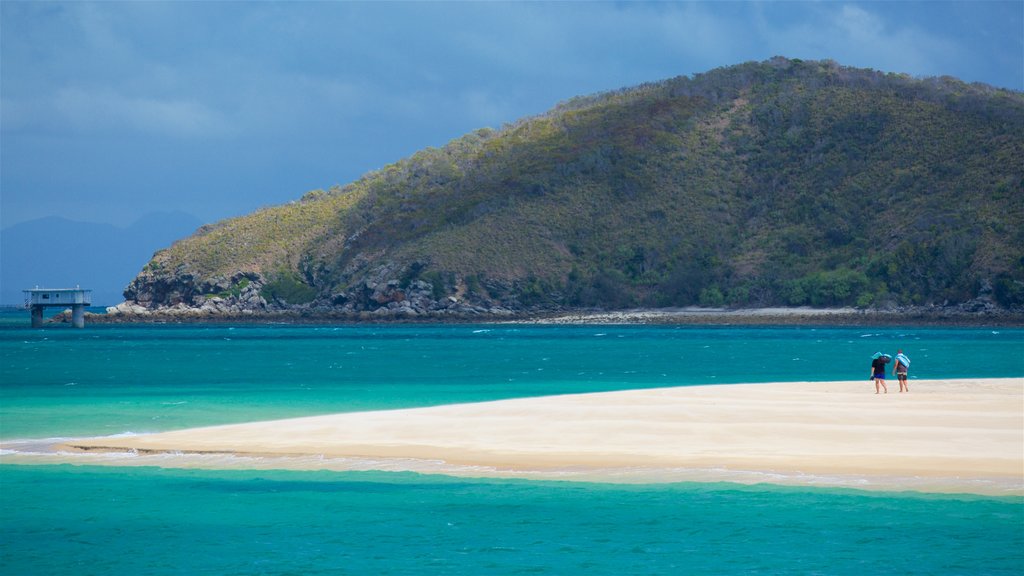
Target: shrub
831, 288
438, 283
289, 287
711, 297
1007, 291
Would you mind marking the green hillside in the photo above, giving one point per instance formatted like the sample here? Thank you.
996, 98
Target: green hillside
784, 182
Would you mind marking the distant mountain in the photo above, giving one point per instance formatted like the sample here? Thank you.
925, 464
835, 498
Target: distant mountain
783, 182
59, 253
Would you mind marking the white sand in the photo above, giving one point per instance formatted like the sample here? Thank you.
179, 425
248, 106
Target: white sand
945, 435
688, 314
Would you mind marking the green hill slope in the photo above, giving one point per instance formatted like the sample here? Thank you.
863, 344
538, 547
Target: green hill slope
777, 183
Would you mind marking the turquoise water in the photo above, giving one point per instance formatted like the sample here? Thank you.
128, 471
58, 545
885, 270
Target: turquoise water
63, 519
114, 379
68, 520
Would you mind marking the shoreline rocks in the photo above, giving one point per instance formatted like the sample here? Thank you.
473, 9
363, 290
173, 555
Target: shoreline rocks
404, 311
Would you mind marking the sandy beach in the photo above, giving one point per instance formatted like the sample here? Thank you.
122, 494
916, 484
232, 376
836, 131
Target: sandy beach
943, 436
779, 316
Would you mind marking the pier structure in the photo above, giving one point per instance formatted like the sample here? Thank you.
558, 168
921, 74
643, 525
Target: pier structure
75, 298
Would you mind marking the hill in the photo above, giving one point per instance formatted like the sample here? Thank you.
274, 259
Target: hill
783, 182
57, 252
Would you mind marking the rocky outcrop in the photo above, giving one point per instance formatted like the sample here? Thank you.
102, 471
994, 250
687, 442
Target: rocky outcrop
380, 294
155, 294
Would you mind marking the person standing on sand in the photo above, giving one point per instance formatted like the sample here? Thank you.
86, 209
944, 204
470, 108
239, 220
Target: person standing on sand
900, 368
878, 362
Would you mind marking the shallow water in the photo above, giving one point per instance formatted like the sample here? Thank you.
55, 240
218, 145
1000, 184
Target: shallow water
83, 520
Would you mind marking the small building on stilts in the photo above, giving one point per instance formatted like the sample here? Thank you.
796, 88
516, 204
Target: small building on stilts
74, 298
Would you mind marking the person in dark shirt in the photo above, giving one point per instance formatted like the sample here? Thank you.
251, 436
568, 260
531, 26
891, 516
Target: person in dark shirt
878, 372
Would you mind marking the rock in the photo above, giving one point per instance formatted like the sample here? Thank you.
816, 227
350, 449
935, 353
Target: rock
128, 308
405, 311
251, 299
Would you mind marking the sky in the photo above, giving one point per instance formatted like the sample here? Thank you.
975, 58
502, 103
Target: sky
113, 110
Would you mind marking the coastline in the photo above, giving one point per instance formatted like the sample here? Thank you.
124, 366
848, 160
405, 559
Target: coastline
786, 316
945, 436
776, 316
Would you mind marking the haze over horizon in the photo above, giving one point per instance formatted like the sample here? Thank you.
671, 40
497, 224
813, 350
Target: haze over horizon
111, 111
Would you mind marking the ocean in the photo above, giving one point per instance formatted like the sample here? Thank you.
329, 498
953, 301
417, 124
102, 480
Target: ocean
59, 382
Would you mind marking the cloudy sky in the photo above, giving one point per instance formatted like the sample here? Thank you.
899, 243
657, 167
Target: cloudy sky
113, 110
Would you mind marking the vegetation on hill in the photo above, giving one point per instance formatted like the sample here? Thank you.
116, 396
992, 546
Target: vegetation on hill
783, 182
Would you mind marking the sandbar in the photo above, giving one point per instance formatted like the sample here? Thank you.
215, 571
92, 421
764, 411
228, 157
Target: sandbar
943, 436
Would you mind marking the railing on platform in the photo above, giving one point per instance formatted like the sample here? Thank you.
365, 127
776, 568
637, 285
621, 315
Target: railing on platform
37, 299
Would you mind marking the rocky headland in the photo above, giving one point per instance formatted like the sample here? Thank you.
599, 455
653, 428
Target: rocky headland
763, 193
416, 304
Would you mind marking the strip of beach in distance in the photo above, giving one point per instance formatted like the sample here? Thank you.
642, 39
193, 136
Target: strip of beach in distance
951, 436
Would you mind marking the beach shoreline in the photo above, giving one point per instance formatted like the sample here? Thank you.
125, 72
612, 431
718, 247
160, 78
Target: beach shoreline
944, 436
776, 316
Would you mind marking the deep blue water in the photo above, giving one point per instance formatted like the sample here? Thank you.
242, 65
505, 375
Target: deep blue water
64, 519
